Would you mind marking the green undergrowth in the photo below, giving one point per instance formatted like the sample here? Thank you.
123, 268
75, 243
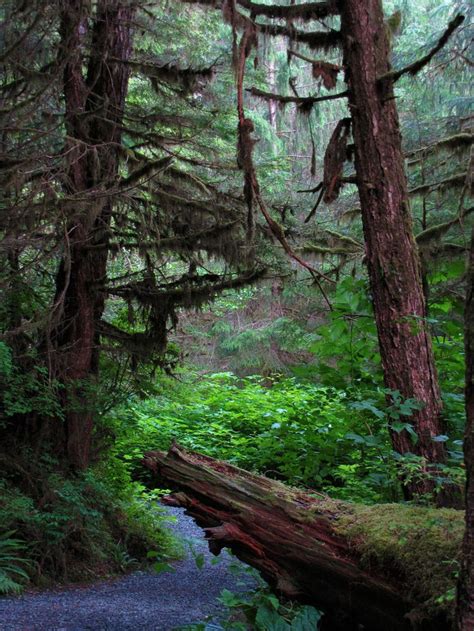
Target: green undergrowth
57, 528
305, 434
418, 546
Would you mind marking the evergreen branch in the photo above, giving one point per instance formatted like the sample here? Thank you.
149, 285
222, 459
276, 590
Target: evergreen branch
169, 72
416, 66
306, 11
344, 238
150, 168
314, 39
450, 142
453, 181
313, 248
436, 232
301, 101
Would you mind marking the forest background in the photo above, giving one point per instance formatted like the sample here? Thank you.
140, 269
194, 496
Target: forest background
229, 348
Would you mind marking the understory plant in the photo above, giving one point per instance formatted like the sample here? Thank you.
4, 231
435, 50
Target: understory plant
61, 528
316, 436
257, 608
13, 563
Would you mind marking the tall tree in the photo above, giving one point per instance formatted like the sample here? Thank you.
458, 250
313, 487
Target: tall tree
89, 164
94, 106
392, 257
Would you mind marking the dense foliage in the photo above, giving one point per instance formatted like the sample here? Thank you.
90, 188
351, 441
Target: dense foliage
203, 331
328, 439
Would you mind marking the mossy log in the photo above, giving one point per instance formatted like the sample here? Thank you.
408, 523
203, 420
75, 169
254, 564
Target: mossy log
317, 550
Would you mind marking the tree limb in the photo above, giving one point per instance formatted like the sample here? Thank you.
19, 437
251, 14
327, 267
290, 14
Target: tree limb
301, 101
416, 66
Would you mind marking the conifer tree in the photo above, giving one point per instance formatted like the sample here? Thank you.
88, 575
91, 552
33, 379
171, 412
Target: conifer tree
90, 120
391, 254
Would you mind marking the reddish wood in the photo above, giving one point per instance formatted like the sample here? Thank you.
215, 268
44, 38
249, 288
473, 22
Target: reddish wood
392, 258
92, 149
289, 536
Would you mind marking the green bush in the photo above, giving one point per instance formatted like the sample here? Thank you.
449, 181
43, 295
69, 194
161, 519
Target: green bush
311, 435
299, 432
74, 527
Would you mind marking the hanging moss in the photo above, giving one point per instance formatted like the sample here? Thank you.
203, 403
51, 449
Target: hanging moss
306, 11
334, 159
457, 141
315, 39
457, 180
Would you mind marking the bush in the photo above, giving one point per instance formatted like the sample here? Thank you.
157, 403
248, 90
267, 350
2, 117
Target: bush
304, 434
73, 528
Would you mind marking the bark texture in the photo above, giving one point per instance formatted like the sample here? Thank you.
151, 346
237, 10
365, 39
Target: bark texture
392, 258
465, 601
94, 110
290, 537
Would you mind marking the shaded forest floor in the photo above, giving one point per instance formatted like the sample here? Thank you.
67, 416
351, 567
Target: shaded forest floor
142, 600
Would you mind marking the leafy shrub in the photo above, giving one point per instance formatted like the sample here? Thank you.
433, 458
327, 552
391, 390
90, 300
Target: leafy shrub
296, 431
258, 608
305, 434
262, 610
76, 527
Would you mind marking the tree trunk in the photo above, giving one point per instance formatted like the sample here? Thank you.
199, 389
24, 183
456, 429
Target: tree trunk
291, 538
392, 258
465, 600
94, 110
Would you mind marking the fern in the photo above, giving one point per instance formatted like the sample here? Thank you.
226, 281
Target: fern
8, 585
13, 573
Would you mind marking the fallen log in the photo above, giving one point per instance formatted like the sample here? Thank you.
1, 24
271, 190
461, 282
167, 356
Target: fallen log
317, 550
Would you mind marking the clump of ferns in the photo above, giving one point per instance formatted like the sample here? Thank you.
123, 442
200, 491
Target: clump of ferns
14, 564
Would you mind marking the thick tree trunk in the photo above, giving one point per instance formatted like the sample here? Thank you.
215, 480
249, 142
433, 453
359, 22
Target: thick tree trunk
94, 110
392, 258
290, 537
465, 600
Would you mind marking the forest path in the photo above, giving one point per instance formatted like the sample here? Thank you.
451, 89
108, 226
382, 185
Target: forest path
142, 600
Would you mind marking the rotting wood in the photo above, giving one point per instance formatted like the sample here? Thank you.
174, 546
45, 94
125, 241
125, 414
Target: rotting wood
291, 537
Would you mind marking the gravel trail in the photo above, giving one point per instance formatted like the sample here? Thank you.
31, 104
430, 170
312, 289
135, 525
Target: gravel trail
142, 601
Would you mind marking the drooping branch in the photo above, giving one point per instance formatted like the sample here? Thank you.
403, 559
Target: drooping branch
434, 233
453, 181
171, 73
314, 39
306, 11
304, 102
188, 291
416, 66
463, 139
